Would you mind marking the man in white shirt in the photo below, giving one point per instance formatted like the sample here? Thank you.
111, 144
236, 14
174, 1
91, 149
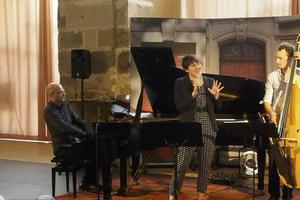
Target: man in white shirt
273, 102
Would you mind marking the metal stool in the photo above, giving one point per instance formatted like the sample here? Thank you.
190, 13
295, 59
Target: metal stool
66, 165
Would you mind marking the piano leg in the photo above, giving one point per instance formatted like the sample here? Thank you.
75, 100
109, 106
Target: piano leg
135, 163
105, 165
123, 175
123, 171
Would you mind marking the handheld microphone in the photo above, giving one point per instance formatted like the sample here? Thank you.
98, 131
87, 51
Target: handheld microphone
198, 79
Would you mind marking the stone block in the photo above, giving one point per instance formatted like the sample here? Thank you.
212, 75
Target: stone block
106, 38
122, 38
91, 83
89, 15
102, 60
123, 85
103, 85
123, 62
64, 58
71, 86
89, 94
90, 39
121, 13
70, 39
61, 19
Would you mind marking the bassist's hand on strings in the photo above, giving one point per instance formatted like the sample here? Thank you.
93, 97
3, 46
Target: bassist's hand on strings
272, 115
273, 118
297, 55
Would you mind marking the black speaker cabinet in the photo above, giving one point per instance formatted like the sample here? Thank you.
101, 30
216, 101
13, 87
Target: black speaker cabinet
80, 63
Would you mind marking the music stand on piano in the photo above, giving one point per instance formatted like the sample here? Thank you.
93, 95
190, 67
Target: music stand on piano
261, 129
249, 131
264, 129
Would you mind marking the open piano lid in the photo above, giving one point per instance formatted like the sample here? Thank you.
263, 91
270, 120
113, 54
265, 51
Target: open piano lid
240, 97
158, 71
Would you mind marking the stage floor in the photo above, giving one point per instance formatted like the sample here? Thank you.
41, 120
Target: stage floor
20, 180
226, 184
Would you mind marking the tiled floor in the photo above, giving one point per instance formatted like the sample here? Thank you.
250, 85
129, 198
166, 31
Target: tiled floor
25, 170
20, 180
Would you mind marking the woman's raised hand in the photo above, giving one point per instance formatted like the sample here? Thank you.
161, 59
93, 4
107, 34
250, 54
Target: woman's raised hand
216, 88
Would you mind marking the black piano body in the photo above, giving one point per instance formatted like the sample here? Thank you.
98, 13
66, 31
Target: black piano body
241, 99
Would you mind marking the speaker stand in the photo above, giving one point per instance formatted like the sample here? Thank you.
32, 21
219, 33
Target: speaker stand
82, 98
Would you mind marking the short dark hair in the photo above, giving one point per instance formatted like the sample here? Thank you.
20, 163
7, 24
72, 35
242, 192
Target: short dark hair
288, 47
189, 60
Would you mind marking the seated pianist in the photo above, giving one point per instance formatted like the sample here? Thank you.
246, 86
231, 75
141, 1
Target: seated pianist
72, 138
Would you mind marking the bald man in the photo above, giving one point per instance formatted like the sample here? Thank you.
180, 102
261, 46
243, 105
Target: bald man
63, 123
71, 137
68, 131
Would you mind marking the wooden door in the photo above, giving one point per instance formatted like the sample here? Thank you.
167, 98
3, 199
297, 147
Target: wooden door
243, 59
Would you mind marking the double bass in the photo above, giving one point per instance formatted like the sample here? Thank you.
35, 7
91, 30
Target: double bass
286, 148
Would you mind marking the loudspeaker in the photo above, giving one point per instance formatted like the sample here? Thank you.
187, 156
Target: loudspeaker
80, 63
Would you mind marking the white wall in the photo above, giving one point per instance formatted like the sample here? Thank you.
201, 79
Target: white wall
235, 8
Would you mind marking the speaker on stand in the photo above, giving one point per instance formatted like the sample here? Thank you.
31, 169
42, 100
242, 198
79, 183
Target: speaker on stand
81, 69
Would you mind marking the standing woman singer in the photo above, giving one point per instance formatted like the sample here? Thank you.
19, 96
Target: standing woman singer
196, 98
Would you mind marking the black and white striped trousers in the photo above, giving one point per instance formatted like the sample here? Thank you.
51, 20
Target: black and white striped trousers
204, 155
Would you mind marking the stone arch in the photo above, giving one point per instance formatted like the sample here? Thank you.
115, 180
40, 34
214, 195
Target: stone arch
214, 41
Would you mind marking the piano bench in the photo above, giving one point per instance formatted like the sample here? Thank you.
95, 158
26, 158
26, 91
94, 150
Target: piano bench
67, 165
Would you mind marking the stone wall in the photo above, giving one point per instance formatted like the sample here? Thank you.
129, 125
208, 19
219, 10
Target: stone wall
154, 8
102, 27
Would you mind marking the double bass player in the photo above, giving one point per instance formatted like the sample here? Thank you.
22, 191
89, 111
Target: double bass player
273, 102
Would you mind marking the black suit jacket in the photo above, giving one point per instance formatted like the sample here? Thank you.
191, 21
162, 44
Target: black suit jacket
186, 104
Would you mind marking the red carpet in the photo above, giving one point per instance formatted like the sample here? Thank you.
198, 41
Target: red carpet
154, 187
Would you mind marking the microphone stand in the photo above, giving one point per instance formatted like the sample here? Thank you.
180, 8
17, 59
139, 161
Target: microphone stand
82, 97
97, 161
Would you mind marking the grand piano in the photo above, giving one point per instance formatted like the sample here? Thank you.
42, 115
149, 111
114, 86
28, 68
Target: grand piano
241, 97
238, 121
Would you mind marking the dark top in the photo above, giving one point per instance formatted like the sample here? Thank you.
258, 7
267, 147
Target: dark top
64, 125
186, 103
